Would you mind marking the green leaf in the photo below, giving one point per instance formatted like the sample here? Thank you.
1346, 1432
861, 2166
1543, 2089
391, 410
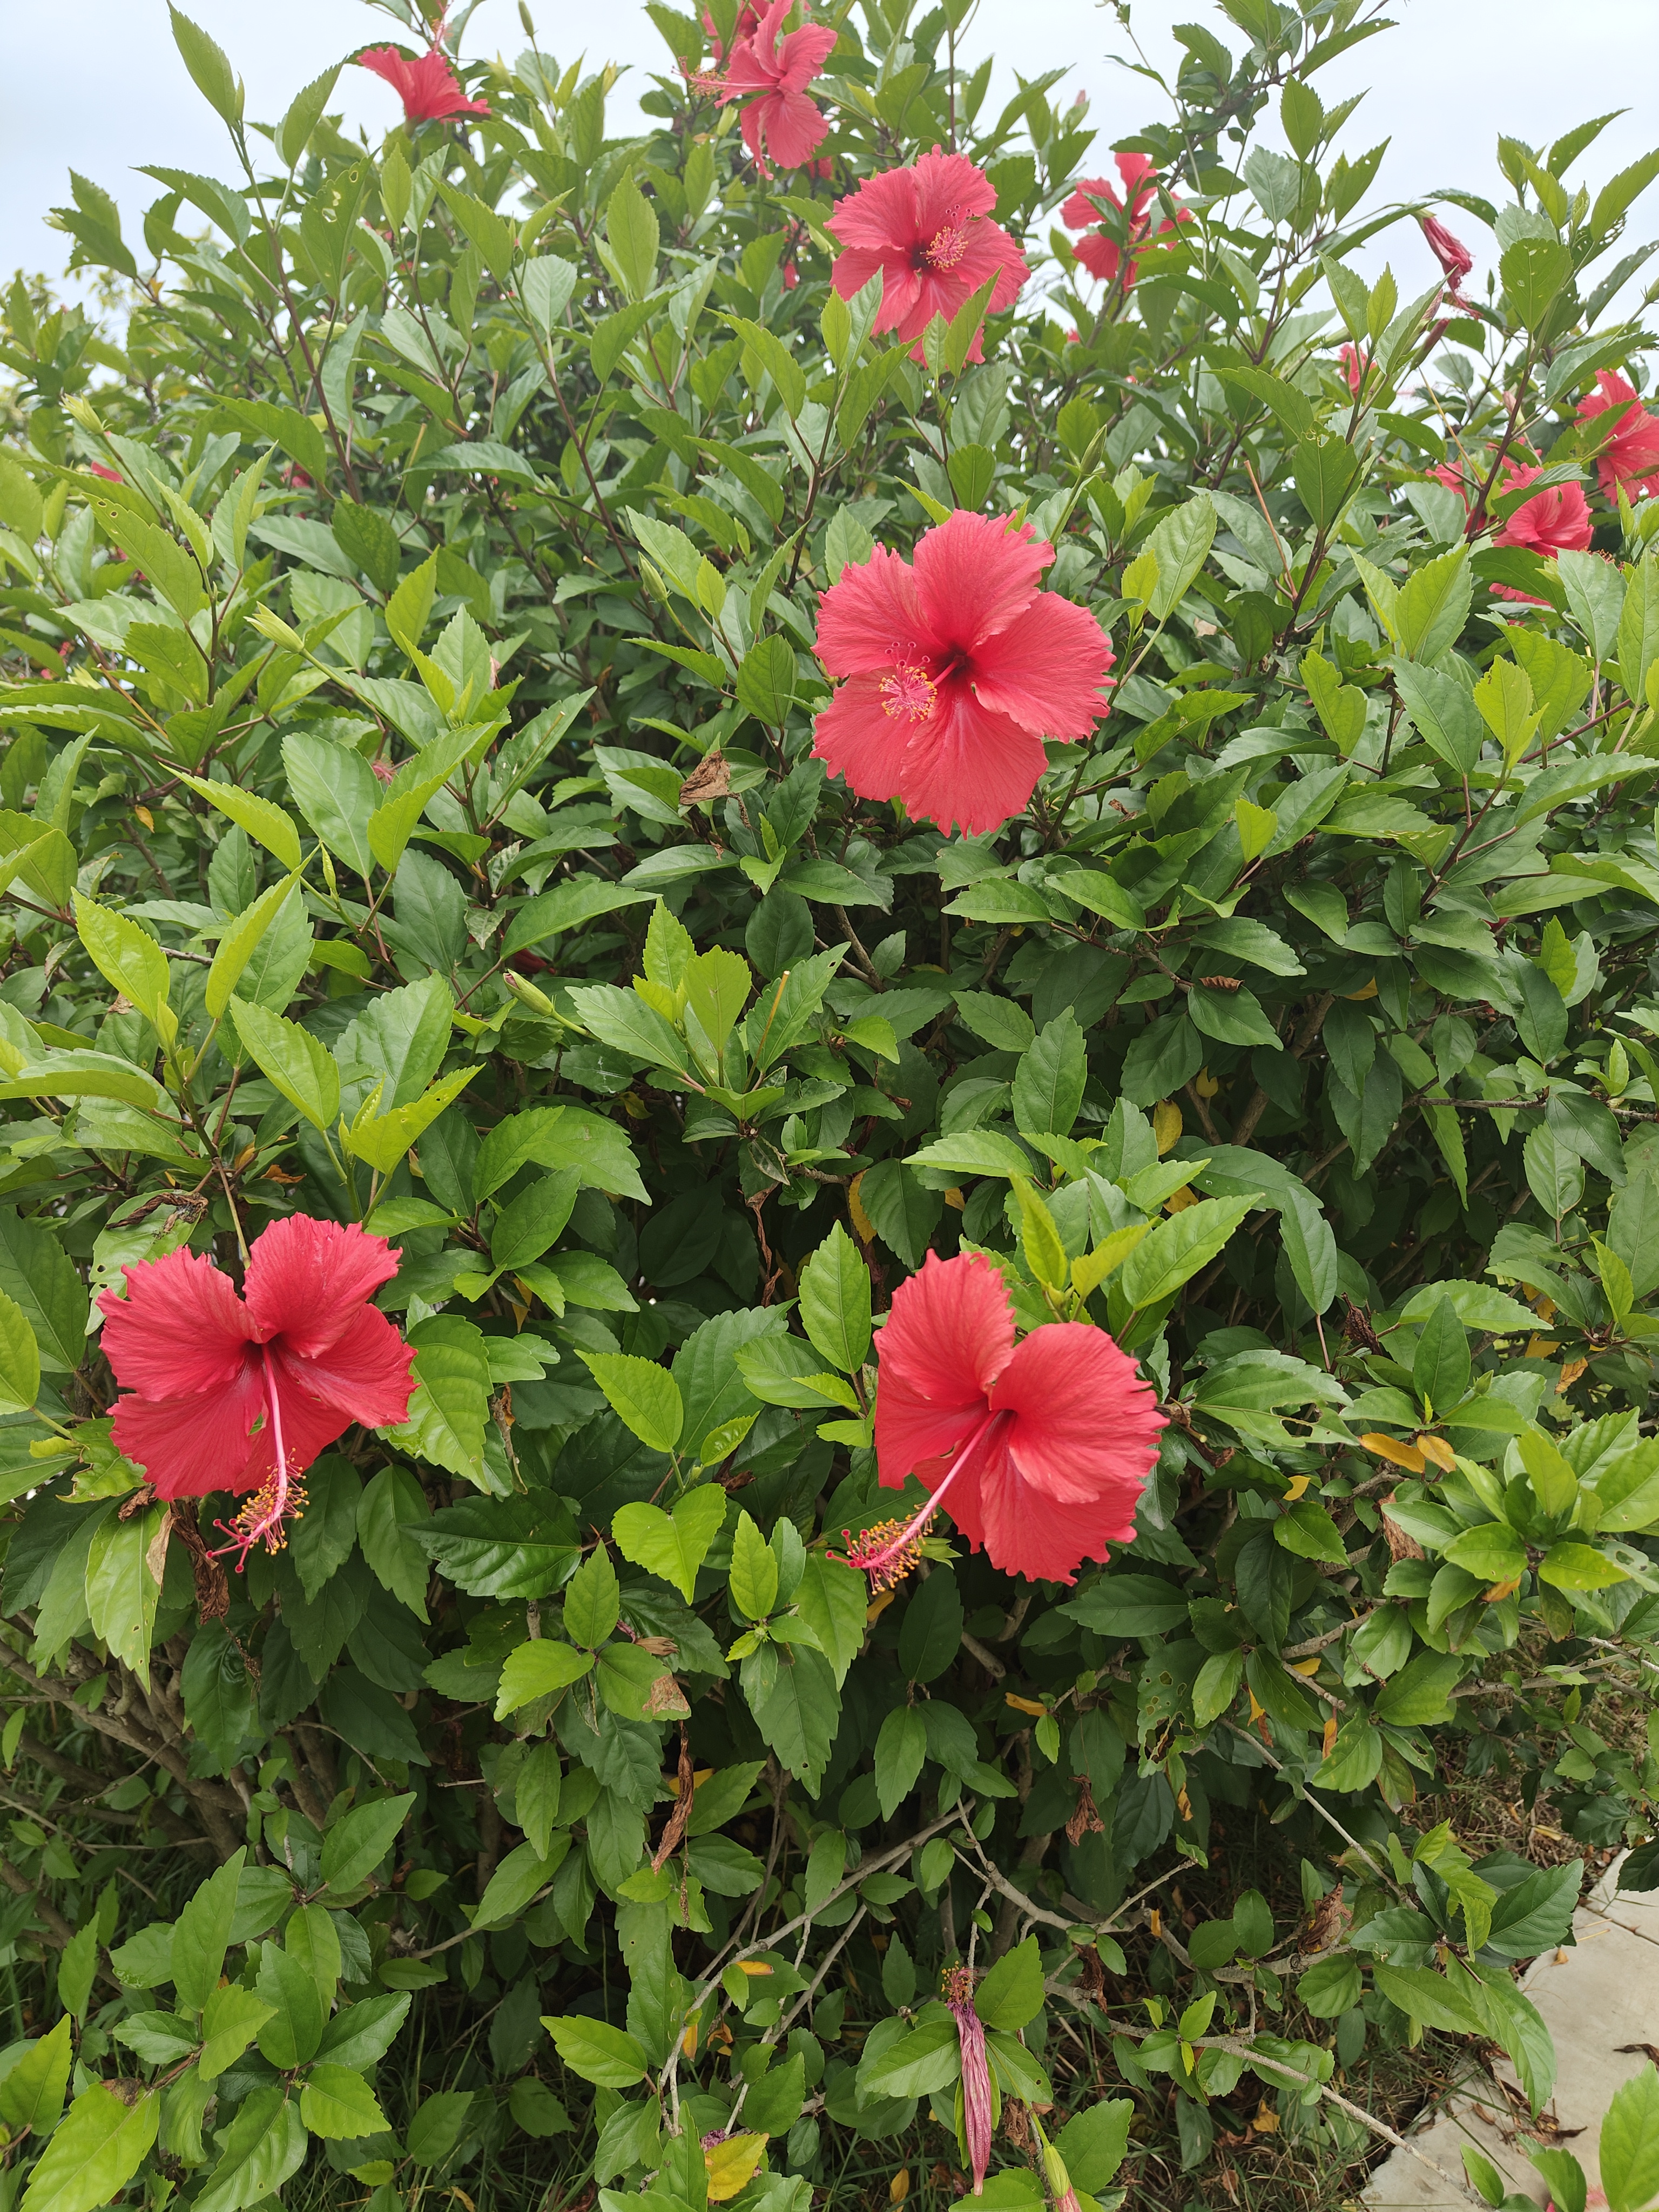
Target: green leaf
231, 2018
20, 1358
1420, 1691
334, 788
1011, 1994
766, 680
94, 2151
210, 72
901, 1747
392, 1502
510, 1889
592, 1601
129, 959
631, 232
1629, 2147
451, 1403
1534, 270
337, 2104
675, 1544
305, 113
301, 1067
1428, 1997
123, 1591
599, 2053
754, 1572
1094, 2143
1579, 1567
834, 1286
266, 824
918, 2064
540, 1669
1492, 1552
238, 944
1309, 1246
358, 1840
529, 1223
643, 1395
1176, 1249
1434, 605
1441, 1365
775, 361
1049, 1082
1181, 543
32, 2094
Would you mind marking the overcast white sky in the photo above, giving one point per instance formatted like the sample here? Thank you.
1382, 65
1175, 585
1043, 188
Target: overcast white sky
96, 85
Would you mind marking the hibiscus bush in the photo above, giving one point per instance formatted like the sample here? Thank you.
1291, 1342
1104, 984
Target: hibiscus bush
831, 1149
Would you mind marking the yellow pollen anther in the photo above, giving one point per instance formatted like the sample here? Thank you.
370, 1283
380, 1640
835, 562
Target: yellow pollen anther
910, 692
946, 247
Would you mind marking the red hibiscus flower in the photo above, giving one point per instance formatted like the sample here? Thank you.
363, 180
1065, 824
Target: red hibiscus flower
1450, 253
1354, 363
783, 122
428, 87
1043, 1448
926, 228
1631, 456
1556, 521
240, 1393
955, 670
1099, 252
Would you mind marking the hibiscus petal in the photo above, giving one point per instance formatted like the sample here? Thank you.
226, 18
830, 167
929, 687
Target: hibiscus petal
967, 765
180, 1327
1084, 207
1044, 670
1088, 1424
310, 1423
872, 618
794, 127
948, 188
366, 1374
1023, 1530
1099, 256
857, 738
308, 1280
948, 1334
974, 574
881, 216
193, 1443
802, 55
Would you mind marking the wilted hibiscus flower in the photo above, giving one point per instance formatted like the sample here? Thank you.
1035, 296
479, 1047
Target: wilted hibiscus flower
1099, 251
1454, 257
1043, 1448
427, 85
241, 1393
783, 122
976, 2092
956, 671
928, 230
1631, 456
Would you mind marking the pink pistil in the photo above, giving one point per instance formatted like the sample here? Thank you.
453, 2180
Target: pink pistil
887, 1552
277, 1502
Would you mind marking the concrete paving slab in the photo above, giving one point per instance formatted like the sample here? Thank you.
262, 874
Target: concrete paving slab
1599, 2000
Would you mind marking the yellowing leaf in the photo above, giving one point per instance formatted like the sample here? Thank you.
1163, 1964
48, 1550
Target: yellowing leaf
1399, 1455
732, 2165
1167, 1124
